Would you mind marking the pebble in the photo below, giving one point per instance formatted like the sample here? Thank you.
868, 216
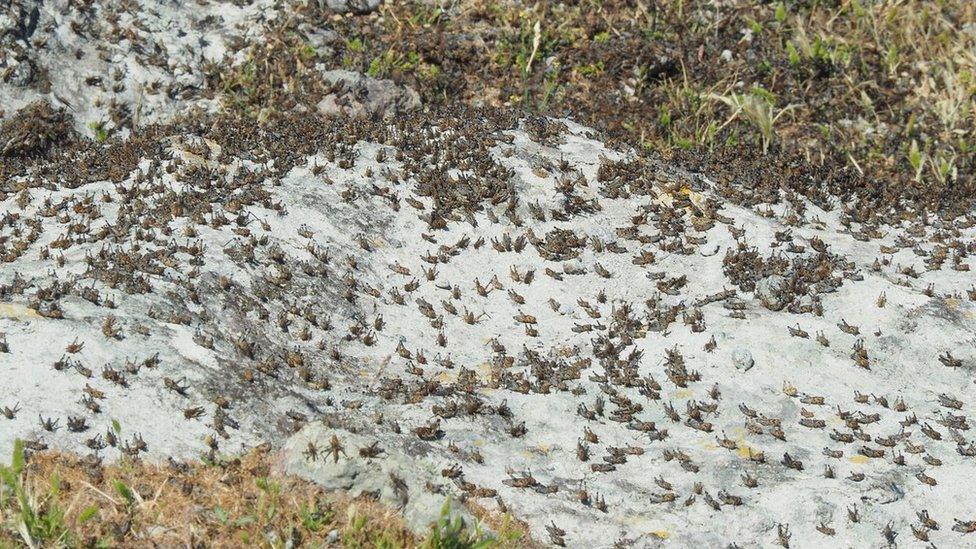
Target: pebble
742, 359
359, 7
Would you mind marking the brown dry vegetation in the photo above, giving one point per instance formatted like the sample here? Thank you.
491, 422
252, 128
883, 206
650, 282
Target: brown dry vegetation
242, 502
873, 101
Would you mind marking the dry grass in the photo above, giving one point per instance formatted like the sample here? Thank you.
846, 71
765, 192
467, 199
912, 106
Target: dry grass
77, 502
872, 100
883, 89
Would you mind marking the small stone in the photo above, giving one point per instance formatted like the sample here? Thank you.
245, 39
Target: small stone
332, 536
359, 7
573, 267
742, 359
364, 96
767, 291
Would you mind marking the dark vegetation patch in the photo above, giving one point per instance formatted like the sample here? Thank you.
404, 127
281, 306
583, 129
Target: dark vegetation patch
863, 100
873, 103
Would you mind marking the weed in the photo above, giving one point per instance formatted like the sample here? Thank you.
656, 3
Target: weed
916, 159
99, 131
125, 492
757, 107
792, 54
452, 533
36, 517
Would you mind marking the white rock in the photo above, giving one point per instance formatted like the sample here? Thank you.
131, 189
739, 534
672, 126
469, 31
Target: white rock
767, 288
367, 95
358, 7
742, 359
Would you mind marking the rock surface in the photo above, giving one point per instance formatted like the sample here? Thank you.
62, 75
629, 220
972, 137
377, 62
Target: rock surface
537, 347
